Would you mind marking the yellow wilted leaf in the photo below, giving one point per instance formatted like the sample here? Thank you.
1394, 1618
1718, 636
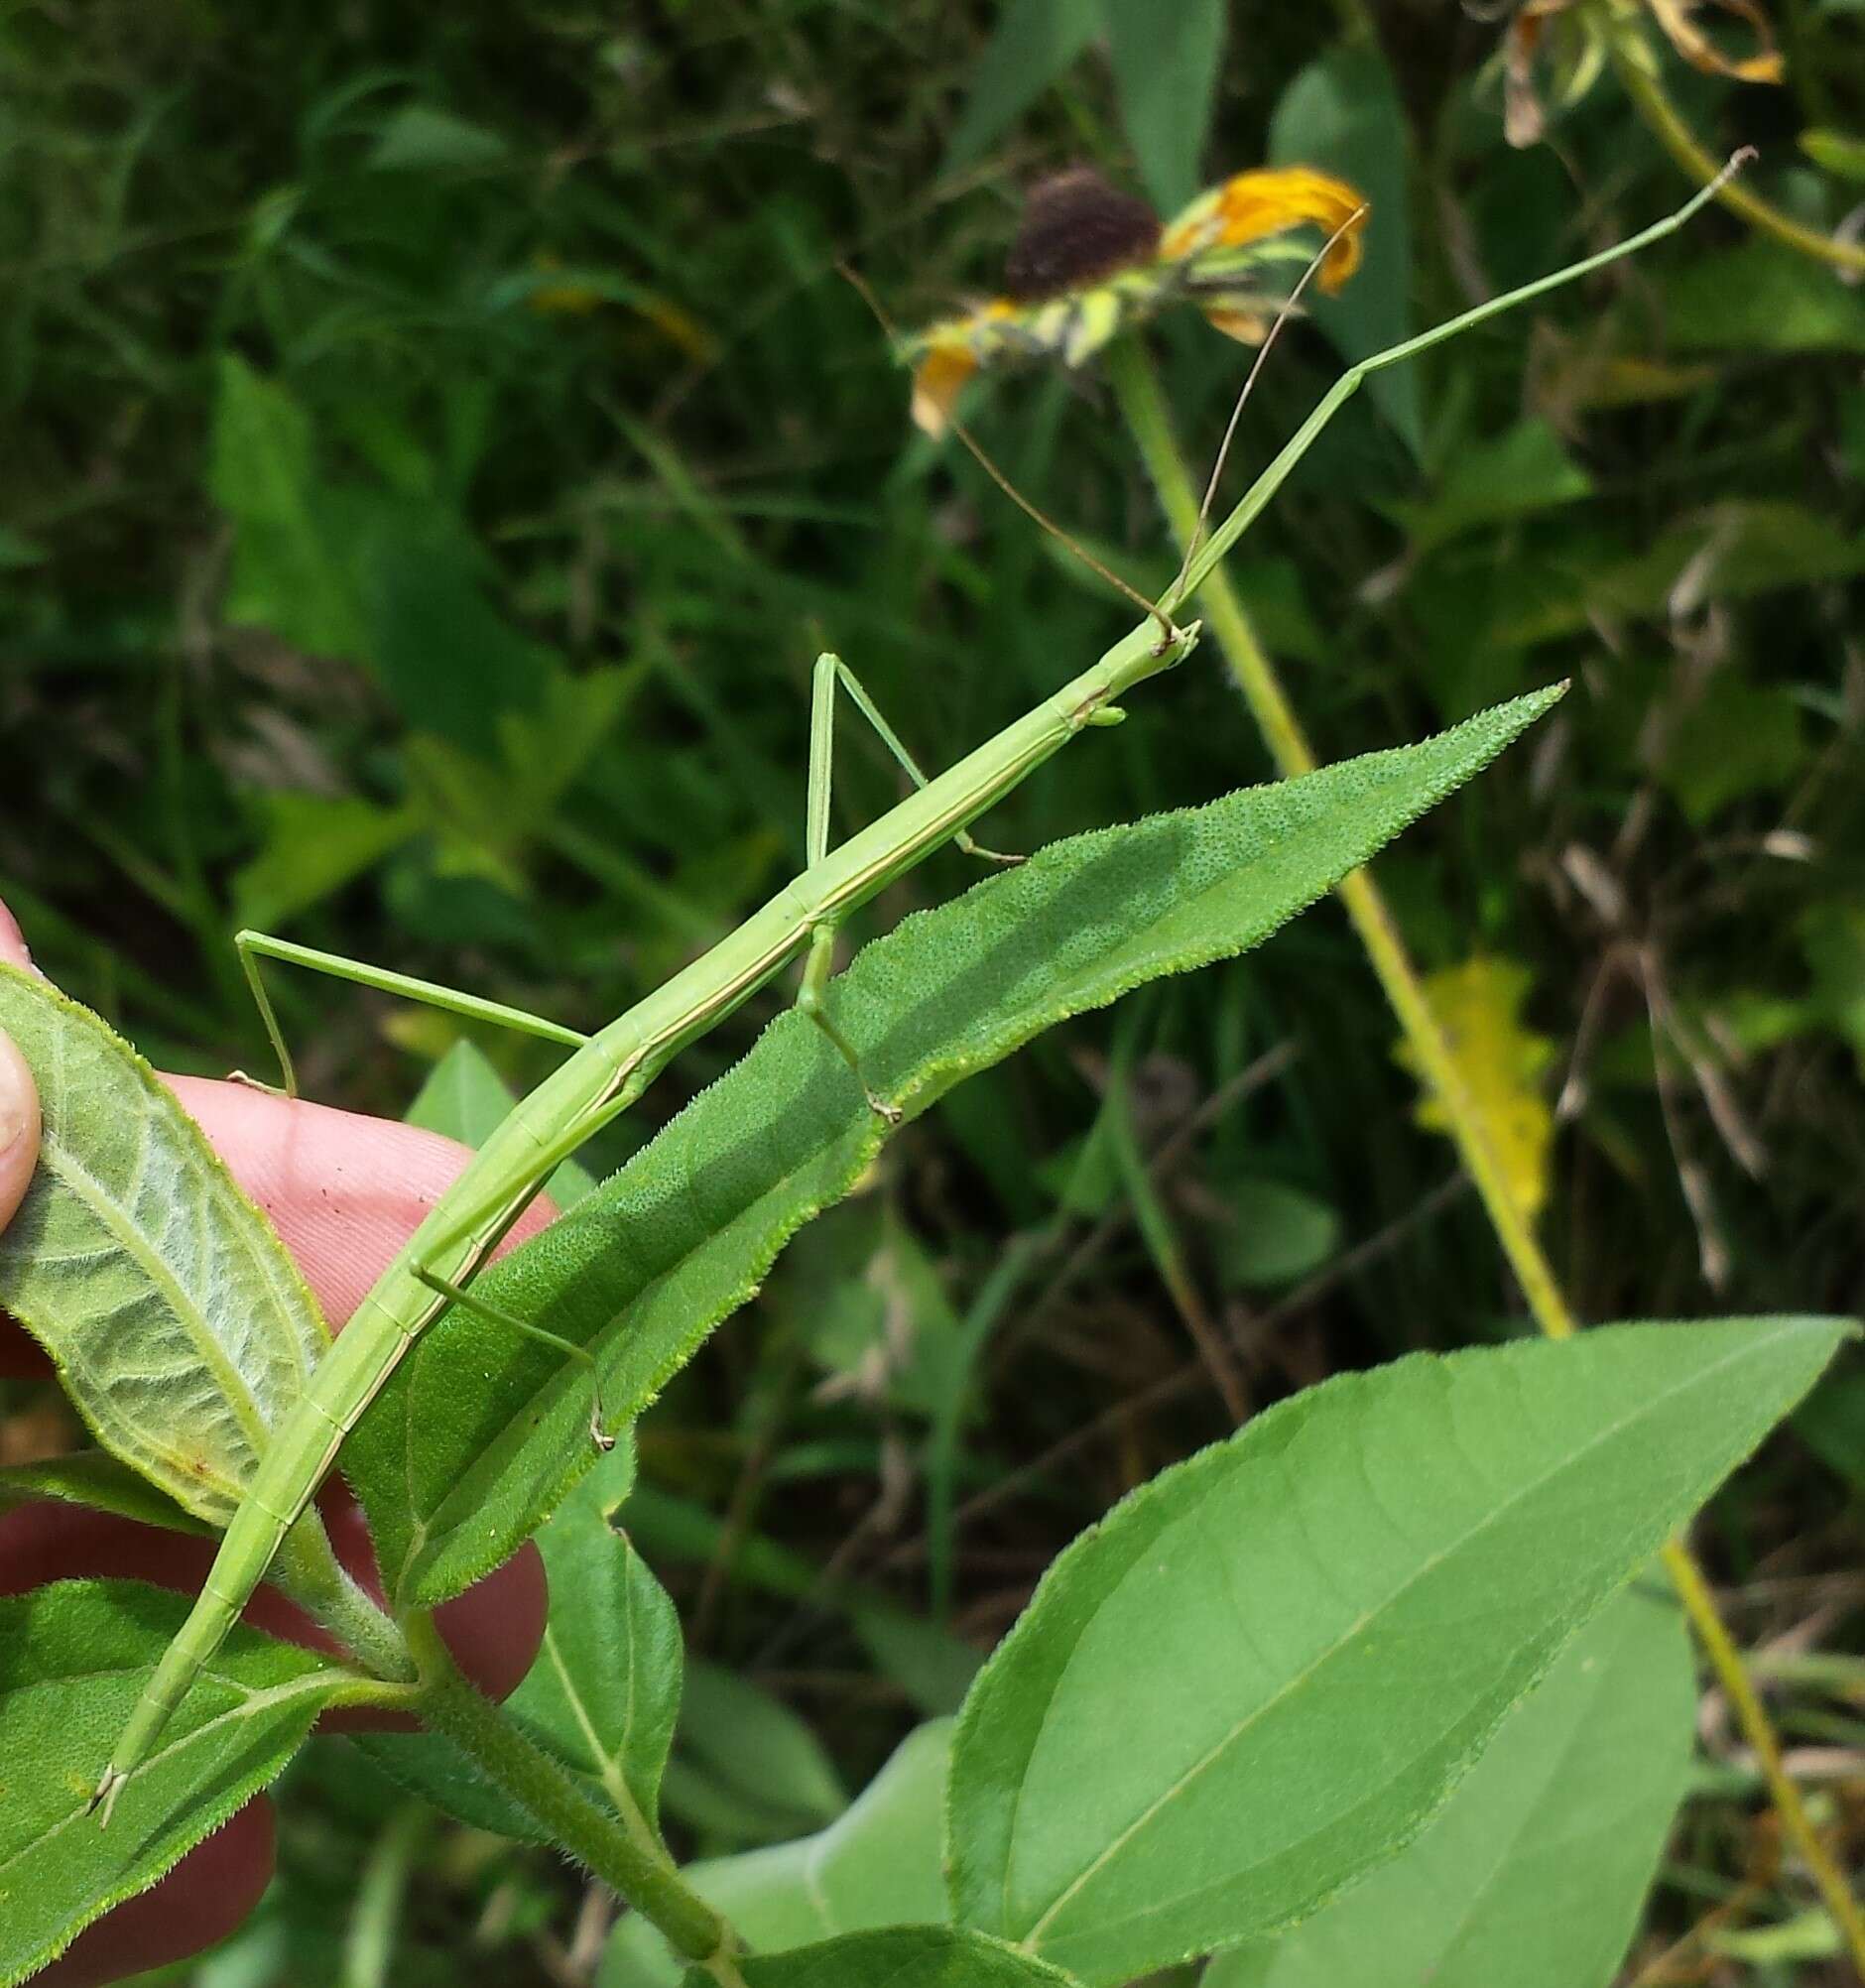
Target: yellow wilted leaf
1478, 1005
563, 300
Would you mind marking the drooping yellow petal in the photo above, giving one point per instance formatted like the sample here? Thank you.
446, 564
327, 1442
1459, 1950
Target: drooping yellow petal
1248, 327
1689, 41
1478, 1005
1252, 205
937, 381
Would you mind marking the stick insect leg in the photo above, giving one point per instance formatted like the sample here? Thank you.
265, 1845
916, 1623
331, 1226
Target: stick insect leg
253, 947
831, 671
456, 1294
816, 976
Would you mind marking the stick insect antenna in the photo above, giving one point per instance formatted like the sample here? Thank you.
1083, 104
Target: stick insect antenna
1169, 631
1286, 312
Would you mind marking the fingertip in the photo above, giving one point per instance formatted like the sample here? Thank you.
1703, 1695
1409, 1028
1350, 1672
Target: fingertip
200, 1901
344, 1191
13, 948
496, 1628
19, 1127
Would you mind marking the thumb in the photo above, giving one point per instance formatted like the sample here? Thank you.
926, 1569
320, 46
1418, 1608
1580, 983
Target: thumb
19, 1127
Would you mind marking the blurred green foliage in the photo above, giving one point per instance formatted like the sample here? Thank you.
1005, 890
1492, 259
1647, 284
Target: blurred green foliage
439, 441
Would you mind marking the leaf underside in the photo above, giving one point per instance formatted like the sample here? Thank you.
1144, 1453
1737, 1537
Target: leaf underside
180, 1326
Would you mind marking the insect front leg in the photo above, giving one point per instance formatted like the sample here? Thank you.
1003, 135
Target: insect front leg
253, 947
832, 672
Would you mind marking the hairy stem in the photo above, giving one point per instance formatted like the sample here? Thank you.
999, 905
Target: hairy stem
1665, 123
642, 1876
308, 1572
1137, 388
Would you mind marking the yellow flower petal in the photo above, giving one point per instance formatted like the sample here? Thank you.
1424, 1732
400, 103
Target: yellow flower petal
1252, 205
1762, 67
1248, 327
937, 381
1208, 259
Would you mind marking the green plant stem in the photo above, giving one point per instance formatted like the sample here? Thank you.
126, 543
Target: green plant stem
370, 1944
1142, 404
307, 1571
1632, 59
643, 1877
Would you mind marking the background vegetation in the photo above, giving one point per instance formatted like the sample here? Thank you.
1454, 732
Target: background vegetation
438, 443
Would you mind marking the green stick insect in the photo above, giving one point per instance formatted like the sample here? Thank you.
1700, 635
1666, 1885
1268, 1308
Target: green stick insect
609, 1071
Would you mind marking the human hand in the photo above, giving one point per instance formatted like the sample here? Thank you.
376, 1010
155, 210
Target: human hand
344, 1191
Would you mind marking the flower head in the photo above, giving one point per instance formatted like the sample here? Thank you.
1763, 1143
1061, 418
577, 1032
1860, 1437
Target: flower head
1089, 261
1566, 41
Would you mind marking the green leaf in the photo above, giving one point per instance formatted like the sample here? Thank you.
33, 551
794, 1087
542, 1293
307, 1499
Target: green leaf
433, 1767
17, 550
539, 754
1342, 113
1274, 1233
420, 139
73, 1659
1305, 1635
310, 845
295, 543
762, 1771
930, 1664
1513, 475
1558, 1827
1732, 739
876, 1865
1760, 296
451, 663
1035, 41
179, 1324
99, 1482
606, 1685
480, 1434
602, 1699
1833, 937
1831, 1422
1167, 62
904, 1956
464, 1098
1730, 550
1837, 153
601, 1696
